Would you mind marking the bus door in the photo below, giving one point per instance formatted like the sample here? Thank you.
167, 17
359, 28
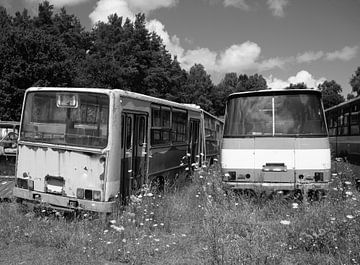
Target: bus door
194, 140
133, 153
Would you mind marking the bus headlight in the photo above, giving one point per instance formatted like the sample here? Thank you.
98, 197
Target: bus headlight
96, 195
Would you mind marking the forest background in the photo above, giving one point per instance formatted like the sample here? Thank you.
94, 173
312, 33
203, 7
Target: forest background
54, 49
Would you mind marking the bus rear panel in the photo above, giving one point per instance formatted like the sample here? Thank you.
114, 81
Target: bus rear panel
275, 141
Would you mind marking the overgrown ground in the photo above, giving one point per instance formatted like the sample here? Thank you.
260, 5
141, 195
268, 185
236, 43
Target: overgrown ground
198, 224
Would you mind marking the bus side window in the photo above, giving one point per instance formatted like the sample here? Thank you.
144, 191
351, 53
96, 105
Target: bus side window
141, 133
128, 133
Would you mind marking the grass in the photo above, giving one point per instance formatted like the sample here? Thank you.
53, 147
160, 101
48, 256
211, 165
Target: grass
198, 224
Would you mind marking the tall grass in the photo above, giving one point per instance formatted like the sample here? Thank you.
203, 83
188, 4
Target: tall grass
197, 224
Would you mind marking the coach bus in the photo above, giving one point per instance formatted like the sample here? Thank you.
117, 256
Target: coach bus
343, 122
276, 141
90, 149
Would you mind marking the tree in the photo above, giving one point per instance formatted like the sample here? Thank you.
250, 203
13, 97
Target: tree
227, 86
355, 81
33, 53
330, 91
198, 88
350, 96
298, 86
251, 83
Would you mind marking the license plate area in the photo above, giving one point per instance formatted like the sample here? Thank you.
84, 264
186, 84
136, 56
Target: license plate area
54, 184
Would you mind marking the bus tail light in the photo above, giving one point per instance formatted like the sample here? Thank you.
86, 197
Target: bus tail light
31, 184
80, 193
92, 195
96, 195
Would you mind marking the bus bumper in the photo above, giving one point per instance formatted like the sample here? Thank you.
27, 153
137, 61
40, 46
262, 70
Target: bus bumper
270, 186
62, 203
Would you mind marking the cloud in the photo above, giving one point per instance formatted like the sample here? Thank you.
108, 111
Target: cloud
104, 8
301, 77
125, 8
237, 3
309, 56
149, 5
345, 54
277, 7
236, 58
239, 57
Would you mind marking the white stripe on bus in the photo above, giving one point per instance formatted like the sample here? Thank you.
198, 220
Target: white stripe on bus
299, 159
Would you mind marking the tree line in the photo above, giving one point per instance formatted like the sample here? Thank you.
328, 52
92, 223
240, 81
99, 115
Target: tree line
54, 49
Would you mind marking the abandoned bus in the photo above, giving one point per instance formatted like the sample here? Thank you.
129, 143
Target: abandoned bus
344, 130
86, 149
275, 140
8, 139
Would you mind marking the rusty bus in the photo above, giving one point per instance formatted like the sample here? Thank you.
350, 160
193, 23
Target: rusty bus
89, 149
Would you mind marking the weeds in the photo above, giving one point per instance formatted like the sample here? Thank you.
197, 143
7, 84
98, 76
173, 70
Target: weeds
197, 224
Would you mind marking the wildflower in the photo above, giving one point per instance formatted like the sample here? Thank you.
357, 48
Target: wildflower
117, 228
155, 225
156, 249
349, 216
295, 205
187, 169
149, 194
201, 177
112, 221
284, 222
105, 231
156, 239
109, 242
124, 240
332, 218
348, 193
347, 182
183, 235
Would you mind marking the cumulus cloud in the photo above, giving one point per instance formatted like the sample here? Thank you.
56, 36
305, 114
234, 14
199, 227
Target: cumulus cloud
301, 77
309, 56
104, 8
277, 7
236, 58
237, 3
125, 8
345, 54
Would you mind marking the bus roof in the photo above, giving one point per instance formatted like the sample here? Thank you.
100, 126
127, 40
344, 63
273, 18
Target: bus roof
122, 93
343, 104
269, 92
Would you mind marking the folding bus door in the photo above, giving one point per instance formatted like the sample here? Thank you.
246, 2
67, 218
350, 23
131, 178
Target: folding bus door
133, 155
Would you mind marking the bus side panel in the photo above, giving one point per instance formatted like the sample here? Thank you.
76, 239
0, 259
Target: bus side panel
166, 158
61, 172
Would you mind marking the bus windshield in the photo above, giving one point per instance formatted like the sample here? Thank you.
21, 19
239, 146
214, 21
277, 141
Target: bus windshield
66, 118
275, 115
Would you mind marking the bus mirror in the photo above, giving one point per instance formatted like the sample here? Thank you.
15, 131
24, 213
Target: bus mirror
66, 100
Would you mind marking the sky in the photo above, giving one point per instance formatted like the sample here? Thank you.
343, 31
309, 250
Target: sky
286, 41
